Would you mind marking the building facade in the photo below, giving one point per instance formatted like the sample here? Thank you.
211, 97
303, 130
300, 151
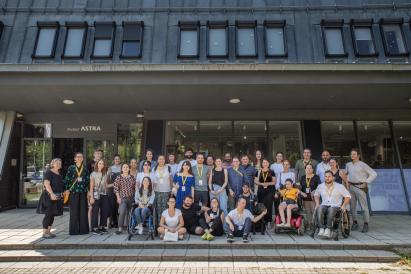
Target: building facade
215, 75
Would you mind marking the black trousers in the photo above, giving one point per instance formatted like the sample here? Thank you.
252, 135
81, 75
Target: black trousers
78, 214
201, 196
48, 221
266, 196
101, 207
113, 208
217, 226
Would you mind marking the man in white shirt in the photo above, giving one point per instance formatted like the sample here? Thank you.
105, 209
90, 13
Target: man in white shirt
334, 196
189, 154
324, 165
359, 176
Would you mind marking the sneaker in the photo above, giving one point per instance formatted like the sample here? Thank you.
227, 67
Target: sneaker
103, 230
230, 238
327, 233
354, 226
118, 232
47, 236
365, 228
281, 225
95, 231
210, 237
245, 238
140, 230
205, 236
321, 233
52, 235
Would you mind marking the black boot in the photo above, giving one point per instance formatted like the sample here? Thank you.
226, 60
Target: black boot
365, 228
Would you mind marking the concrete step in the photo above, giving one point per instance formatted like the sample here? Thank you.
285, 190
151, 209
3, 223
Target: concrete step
195, 254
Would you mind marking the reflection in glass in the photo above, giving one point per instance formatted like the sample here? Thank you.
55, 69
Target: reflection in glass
403, 134
250, 136
129, 138
181, 135
216, 137
105, 145
285, 137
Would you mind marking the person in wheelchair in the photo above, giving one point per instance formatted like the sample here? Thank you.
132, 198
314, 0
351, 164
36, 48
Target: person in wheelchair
289, 196
334, 199
144, 200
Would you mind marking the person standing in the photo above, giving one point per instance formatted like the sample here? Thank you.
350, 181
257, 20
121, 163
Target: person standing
284, 175
201, 173
99, 200
133, 167
339, 175
51, 199
324, 165
309, 183
300, 164
145, 173
77, 182
150, 158
162, 183
277, 166
124, 188
189, 154
217, 183
236, 179
172, 164
184, 183
227, 160
98, 155
359, 176
265, 182
249, 171
258, 159
210, 161
113, 172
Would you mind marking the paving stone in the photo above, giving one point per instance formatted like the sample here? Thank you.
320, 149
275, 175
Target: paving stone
314, 255
291, 255
220, 255
267, 254
197, 254
151, 254
174, 254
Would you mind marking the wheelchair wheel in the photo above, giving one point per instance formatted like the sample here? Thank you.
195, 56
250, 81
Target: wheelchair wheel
345, 224
301, 230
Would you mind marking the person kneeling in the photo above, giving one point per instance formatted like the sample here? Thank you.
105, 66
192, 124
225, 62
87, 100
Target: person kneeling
332, 195
191, 215
213, 221
171, 220
289, 196
239, 221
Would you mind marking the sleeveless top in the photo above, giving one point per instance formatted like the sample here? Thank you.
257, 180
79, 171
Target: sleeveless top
337, 177
218, 177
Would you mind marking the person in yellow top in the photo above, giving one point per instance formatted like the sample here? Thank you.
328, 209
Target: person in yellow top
289, 197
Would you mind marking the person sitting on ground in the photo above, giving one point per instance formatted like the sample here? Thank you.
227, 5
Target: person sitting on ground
250, 198
213, 221
171, 220
239, 221
144, 199
191, 215
334, 196
289, 196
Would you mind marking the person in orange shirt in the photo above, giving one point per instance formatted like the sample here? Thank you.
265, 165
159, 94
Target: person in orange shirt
289, 197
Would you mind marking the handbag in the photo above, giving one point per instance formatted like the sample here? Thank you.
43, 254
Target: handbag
170, 237
66, 194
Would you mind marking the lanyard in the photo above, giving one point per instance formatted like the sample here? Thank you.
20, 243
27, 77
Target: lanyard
236, 170
183, 180
161, 172
329, 191
200, 173
264, 176
308, 181
79, 171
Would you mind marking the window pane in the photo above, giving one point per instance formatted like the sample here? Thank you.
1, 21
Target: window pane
216, 137
403, 134
339, 138
364, 40
102, 48
129, 139
386, 192
250, 136
334, 41
275, 41
181, 135
394, 40
217, 44
74, 43
189, 43
131, 48
246, 42
45, 42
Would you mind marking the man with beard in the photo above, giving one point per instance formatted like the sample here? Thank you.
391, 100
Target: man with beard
324, 165
191, 215
302, 163
334, 196
188, 154
249, 171
227, 160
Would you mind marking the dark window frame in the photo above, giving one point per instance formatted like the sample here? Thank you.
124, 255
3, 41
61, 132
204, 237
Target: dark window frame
45, 25
392, 21
113, 35
75, 25
275, 24
1, 29
188, 25
333, 24
218, 25
139, 24
246, 25
363, 23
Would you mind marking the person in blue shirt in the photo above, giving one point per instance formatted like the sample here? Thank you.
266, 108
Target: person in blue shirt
236, 180
183, 183
249, 171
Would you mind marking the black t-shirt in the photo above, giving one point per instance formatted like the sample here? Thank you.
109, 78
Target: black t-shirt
190, 215
337, 177
313, 184
249, 201
214, 214
56, 181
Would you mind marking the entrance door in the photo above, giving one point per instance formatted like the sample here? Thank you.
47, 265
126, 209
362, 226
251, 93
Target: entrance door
65, 148
107, 146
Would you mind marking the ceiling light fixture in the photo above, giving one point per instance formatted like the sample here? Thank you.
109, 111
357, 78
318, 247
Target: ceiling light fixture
68, 102
234, 100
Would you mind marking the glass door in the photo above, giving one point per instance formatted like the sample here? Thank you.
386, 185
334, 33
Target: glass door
107, 146
36, 160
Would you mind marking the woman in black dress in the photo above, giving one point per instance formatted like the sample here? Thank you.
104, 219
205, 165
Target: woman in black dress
265, 180
51, 202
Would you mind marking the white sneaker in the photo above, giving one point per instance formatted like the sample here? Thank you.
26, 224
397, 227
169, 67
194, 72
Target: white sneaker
327, 233
321, 233
140, 230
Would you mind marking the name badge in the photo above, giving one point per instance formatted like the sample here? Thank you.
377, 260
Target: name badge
80, 179
200, 182
183, 188
307, 190
161, 181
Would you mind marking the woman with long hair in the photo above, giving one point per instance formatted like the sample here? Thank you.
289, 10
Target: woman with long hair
217, 183
144, 199
172, 220
162, 184
213, 221
265, 181
258, 159
184, 183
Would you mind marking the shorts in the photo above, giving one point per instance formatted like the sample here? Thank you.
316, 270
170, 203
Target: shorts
289, 202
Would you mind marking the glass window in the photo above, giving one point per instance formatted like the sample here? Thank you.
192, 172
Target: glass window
386, 192
364, 42
217, 42
216, 137
102, 48
274, 41
334, 41
106, 145
403, 134
246, 43
103, 40
132, 39
188, 43
394, 39
74, 42
339, 139
181, 135
250, 136
285, 137
46, 40
129, 140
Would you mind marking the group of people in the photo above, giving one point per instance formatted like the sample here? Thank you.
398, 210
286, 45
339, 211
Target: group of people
203, 195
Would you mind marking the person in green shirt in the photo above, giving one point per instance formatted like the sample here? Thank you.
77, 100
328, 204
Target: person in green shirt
302, 163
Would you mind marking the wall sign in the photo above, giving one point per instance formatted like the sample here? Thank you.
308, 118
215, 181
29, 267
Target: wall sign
83, 129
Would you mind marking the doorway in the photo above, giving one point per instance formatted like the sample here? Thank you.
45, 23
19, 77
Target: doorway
65, 148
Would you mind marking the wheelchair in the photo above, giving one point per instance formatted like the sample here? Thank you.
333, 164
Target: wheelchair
341, 224
149, 225
297, 219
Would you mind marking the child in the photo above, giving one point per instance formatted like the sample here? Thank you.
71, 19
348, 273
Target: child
289, 196
251, 201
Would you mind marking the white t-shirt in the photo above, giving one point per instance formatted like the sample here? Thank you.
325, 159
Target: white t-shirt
277, 168
321, 169
239, 220
171, 221
333, 198
284, 176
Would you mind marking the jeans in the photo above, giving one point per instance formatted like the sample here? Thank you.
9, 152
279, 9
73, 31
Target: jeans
240, 231
359, 195
222, 198
141, 214
330, 211
123, 211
